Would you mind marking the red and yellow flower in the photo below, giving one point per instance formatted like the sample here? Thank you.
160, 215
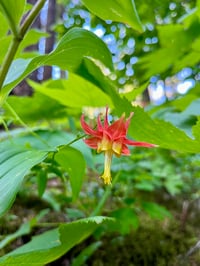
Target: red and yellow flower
110, 139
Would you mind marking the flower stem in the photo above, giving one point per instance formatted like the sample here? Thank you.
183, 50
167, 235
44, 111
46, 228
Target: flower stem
98, 209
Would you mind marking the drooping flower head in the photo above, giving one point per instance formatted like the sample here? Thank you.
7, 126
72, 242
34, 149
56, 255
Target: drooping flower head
110, 139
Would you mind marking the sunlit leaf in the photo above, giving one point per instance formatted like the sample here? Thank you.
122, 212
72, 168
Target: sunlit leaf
160, 132
73, 92
68, 55
121, 11
12, 10
38, 107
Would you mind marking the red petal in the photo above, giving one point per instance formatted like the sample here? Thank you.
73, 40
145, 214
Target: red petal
99, 124
92, 142
117, 129
88, 129
138, 143
125, 150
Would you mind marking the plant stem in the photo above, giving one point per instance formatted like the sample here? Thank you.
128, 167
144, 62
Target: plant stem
24, 124
8, 60
97, 210
18, 37
31, 17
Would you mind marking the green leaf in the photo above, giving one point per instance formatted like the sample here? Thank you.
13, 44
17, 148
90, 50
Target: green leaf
76, 44
15, 163
159, 132
116, 10
3, 27
42, 182
53, 244
73, 162
74, 92
39, 107
32, 37
135, 92
183, 102
196, 130
12, 10
166, 58
24, 229
156, 211
68, 55
126, 219
85, 254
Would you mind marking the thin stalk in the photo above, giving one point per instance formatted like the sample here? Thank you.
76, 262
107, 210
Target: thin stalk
31, 17
6, 129
25, 125
18, 37
98, 209
8, 60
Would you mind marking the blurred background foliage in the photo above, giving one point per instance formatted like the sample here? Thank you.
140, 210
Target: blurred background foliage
152, 190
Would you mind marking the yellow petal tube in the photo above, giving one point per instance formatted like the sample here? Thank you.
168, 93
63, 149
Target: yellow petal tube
107, 164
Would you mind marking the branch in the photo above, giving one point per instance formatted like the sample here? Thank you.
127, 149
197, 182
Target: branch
17, 39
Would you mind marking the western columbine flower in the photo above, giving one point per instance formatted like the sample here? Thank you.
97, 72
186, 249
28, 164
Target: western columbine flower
110, 139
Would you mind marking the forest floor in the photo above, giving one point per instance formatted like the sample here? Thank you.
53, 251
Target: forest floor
170, 242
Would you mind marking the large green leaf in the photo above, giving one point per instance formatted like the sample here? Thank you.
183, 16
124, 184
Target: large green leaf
12, 10
15, 162
68, 55
73, 162
161, 133
32, 37
73, 92
116, 10
3, 27
196, 130
39, 107
52, 244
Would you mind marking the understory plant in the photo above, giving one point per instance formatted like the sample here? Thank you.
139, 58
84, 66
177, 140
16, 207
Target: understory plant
55, 144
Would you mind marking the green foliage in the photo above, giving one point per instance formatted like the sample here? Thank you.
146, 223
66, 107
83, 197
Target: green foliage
24, 229
15, 163
117, 11
68, 158
73, 92
33, 109
13, 18
42, 150
52, 244
69, 53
